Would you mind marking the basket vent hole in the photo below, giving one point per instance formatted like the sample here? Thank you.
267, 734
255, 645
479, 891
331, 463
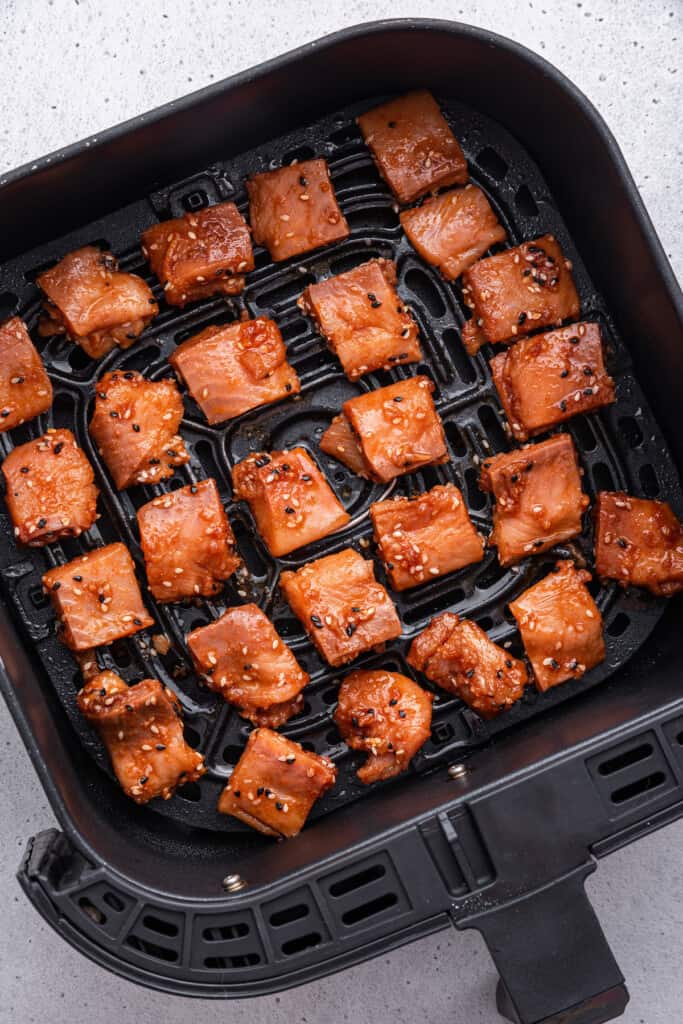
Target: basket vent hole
232, 754
37, 597
297, 155
602, 477
619, 625
221, 963
422, 285
307, 745
151, 949
301, 943
634, 789
8, 305
585, 437
121, 653
630, 431
63, 411
492, 163
190, 791
78, 359
157, 924
332, 737
195, 200
114, 902
366, 910
347, 133
220, 933
485, 623
330, 696
679, 738
93, 912
648, 481
464, 365
475, 498
204, 452
629, 757
525, 202
191, 736
491, 424
372, 217
361, 878
289, 914
455, 439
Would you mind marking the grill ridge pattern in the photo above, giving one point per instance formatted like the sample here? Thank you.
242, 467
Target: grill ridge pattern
619, 447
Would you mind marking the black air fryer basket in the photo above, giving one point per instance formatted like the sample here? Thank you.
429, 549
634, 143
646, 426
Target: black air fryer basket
497, 824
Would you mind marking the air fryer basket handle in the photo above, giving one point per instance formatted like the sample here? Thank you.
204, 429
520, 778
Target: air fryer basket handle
554, 961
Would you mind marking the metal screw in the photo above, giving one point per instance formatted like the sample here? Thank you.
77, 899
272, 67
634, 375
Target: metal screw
233, 883
457, 771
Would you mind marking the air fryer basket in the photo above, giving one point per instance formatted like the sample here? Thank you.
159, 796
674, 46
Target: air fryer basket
468, 844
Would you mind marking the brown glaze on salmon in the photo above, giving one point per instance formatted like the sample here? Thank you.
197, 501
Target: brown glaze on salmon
25, 388
638, 543
142, 728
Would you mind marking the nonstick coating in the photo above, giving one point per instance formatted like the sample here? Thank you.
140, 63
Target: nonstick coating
619, 447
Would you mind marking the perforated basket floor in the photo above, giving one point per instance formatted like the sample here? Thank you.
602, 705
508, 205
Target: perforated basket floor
619, 448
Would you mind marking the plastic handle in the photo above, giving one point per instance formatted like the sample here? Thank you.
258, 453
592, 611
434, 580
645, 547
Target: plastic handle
554, 961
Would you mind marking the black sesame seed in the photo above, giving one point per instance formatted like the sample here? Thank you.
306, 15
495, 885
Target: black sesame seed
391, 124
101, 598
171, 453
390, 746
77, 578
262, 461
289, 510
42, 522
306, 477
129, 707
508, 663
238, 793
538, 543
24, 469
286, 467
128, 375
469, 673
393, 701
588, 391
574, 340
161, 746
303, 181
56, 585
136, 428
398, 398
317, 621
565, 373
351, 629
622, 542
554, 664
291, 758
154, 462
587, 371
4, 413
143, 779
354, 722
401, 714
521, 318
58, 447
573, 665
278, 805
288, 387
355, 608
499, 674
137, 622
193, 488
259, 791
114, 415
514, 478
103, 691
563, 405
101, 394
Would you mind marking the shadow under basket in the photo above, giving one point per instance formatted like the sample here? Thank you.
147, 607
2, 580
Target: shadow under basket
185, 900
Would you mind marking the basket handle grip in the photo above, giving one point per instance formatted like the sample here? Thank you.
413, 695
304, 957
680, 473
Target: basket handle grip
554, 962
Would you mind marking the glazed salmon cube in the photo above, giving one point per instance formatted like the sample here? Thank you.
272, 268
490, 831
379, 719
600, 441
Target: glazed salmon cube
50, 489
426, 536
362, 318
341, 605
289, 497
561, 626
275, 784
25, 388
188, 543
232, 369
452, 231
200, 254
242, 657
639, 543
461, 658
539, 501
91, 301
135, 427
142, 728
517, 291
97, 598
547, 379
341, 443
412, 145
394, 430
294, 209
386, 714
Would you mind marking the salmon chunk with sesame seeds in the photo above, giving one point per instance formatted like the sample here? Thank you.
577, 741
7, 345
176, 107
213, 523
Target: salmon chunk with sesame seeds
188, 543
25, 388
638, 542
425, 536
200, 254
548, 378
452, 231
538, 497
457, 655
97, 598
386, 714
241, 656
518, 291
413, 146
231, 369
93, 303
51, 493
294, 210
363, 320
560, 625
342, 607
275, 784
135, 427
142, 729
395, 430
289, 497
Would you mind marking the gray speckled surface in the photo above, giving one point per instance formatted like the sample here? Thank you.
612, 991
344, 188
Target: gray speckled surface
71, 68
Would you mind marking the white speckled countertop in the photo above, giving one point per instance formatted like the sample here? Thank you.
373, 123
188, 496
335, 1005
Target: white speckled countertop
72, 67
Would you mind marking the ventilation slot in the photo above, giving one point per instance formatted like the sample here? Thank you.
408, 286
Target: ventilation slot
93, 912
151, 949
8, 305
301, 943
366, 910
619, 625
493, 164
637, 788
156, 924
464, 365
222, 933
289, 915
525, 202
616, 764
354, 882
422, 285
630, 431
224, 963
114, 902
648, 481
